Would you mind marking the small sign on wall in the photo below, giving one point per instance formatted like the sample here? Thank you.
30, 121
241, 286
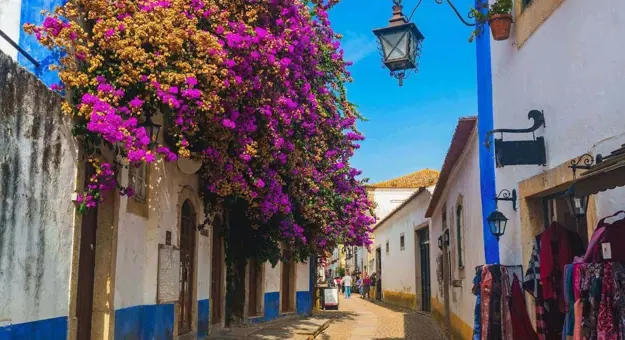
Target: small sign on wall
168, 284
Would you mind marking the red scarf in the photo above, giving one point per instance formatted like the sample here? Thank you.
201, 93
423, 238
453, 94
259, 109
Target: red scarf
552, 269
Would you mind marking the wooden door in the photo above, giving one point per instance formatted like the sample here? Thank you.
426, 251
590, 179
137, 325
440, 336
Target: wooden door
187, 255
254, 284
86, 268
447, 282
378, 286
424, 252
217, 274
286, 290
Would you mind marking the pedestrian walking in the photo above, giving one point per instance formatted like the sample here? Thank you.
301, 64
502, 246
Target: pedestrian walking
359, 285
366, 283
347, 283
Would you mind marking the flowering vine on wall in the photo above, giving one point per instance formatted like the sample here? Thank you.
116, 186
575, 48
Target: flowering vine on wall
252, 88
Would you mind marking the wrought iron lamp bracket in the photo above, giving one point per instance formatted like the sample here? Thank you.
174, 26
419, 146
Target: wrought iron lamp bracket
539, 121
506, 195
585, 161
440, 2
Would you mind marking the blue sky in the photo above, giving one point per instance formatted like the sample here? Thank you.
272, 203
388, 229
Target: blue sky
409, 127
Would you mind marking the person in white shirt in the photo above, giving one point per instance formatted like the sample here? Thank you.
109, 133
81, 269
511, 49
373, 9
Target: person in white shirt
347, 282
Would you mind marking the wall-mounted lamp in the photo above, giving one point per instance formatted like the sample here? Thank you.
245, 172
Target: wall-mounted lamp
584, 161
446, 237
506, 195
440, 242
577, 205
497, 223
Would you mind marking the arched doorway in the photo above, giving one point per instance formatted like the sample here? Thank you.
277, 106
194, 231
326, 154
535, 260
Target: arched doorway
188, 221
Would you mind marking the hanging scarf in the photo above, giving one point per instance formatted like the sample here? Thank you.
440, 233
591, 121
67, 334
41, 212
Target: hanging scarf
552, 261
619, 298
477, 292
486, 290
605, 321
521, 324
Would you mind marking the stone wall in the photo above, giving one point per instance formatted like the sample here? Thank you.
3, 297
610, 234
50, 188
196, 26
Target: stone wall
37, 179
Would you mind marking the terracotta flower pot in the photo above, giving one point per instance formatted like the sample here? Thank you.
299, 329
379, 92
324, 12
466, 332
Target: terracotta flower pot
500, 26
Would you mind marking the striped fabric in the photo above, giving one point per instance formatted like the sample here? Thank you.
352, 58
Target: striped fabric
531, 284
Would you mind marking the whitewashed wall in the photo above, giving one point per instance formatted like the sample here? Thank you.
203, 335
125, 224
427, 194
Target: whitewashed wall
572, 67
37, 178
399, 268
10, 25
302, 277
138, 238
388, 199
463, 185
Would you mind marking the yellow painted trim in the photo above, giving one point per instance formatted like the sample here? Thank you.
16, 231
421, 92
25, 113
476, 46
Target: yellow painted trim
460, 330
528, 19
400, 299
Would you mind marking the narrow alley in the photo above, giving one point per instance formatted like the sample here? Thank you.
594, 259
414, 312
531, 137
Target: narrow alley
361, 319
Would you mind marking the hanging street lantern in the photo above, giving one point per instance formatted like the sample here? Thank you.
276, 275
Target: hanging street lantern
497, 223
399, 43
151, 129
578, 206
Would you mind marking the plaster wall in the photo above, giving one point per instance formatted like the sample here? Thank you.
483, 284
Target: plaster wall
401, 276
38, 161
136, 270
463, 187
10, 25
139, 237
571, 68
387, 200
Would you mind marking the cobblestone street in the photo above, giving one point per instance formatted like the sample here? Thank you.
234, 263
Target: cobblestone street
358, 319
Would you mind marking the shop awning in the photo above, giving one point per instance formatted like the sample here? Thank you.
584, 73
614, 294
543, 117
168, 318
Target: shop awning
605, 175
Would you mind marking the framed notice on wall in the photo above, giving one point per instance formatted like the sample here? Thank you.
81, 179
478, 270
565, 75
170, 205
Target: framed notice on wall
330, 297
168, 284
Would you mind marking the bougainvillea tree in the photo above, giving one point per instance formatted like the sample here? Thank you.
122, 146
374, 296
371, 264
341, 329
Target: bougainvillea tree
252, 88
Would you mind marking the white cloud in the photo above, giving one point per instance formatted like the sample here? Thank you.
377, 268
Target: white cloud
358, 46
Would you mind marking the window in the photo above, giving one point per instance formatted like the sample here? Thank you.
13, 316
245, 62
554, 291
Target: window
386, 247
459, 226
401, 241
137, 180
526, 3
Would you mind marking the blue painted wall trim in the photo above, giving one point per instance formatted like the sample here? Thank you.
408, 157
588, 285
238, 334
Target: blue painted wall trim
303, 303
48, 329
30, 13
145, 322
203, 315
485, 124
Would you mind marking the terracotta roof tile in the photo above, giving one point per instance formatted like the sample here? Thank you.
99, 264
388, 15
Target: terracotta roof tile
418, 179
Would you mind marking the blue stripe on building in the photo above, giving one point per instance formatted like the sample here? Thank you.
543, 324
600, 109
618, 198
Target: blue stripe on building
485, 124
145, 322
31, 13
203, 315
48, 329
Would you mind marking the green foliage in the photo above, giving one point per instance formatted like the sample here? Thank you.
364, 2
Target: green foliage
340, 271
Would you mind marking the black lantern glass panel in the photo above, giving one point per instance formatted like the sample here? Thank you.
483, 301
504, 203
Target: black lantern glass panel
497, 222
578, 206
151, 129
400, 46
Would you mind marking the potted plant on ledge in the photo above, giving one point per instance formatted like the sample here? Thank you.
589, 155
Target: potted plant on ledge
497, 15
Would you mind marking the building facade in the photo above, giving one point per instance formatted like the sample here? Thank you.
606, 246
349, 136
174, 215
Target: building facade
387, 197
141, 267
456, 233
402, 250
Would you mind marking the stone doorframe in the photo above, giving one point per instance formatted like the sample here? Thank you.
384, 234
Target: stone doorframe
103, 318
531, 192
